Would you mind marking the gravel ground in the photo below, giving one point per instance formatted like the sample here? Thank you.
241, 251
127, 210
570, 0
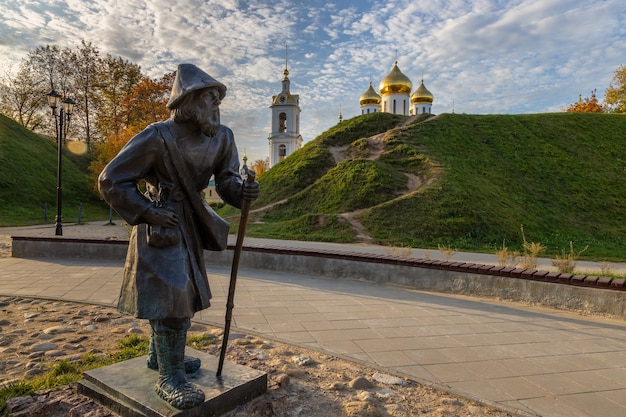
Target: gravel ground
35, 333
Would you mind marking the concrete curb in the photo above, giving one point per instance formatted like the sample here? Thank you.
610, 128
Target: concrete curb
583, 293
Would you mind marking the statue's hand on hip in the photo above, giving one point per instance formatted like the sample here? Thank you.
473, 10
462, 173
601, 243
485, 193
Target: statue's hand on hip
161, 216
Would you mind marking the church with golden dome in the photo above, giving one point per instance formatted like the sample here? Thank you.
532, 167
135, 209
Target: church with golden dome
395, 96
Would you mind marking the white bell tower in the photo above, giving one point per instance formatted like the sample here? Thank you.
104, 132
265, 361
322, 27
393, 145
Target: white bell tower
285, 137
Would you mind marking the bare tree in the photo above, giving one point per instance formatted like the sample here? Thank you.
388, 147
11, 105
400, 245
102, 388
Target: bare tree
97, 85
86, 63
49, 68
22, 98
117, 78
45, 63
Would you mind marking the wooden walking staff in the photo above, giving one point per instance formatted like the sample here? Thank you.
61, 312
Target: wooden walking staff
245, 208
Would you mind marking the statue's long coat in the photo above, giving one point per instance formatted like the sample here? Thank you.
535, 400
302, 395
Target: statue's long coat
168, 282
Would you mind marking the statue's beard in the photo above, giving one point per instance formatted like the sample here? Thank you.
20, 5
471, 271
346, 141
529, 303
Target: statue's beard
209, 122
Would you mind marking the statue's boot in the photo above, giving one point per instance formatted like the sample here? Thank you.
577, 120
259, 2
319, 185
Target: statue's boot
191, 364
172, 384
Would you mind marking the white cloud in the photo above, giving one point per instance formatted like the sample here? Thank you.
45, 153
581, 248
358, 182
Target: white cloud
486, 56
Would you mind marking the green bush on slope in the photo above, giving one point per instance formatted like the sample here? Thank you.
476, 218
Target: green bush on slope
350, 186
306, 165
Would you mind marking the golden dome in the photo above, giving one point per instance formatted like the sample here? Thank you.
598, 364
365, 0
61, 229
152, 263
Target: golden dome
369, 97
395, 83
422, 95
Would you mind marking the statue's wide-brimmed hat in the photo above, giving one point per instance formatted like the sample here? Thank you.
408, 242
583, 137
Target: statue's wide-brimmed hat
191, 78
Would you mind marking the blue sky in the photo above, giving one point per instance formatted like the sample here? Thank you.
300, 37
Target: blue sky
484, 56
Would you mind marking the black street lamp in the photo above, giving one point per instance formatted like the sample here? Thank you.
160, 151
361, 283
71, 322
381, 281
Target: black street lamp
65, 112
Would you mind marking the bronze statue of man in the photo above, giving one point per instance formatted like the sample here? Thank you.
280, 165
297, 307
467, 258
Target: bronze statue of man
165, 278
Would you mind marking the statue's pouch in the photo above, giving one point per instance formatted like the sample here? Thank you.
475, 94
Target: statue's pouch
162, 237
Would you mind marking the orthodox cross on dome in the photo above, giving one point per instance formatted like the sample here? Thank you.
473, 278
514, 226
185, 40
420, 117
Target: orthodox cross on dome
286, 72
244, 168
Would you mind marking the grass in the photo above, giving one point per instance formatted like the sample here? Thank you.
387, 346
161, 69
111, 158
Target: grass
294, 173
200, 341
65, 372
349, 186
28, 179
314, 160
13, 390
309, 227
560, 175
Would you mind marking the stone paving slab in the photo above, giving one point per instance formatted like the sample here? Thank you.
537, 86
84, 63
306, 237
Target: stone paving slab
537, 360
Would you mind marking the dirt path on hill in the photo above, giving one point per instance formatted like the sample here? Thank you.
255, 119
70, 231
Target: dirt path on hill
376, 147
361, 234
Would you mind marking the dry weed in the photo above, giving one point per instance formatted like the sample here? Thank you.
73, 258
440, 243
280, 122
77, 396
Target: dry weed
566, 263
531, 251
506, 257
401, 251
446, 252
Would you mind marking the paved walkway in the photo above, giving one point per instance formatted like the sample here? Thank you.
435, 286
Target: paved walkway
533, 360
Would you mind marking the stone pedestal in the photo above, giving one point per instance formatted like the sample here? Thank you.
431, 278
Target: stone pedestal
127, 388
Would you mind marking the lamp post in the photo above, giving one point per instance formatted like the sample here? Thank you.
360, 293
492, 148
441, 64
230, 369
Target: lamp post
65, 112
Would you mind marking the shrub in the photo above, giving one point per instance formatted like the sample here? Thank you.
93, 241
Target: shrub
506, 257
446, 252
531, 251
399, 251
566, 263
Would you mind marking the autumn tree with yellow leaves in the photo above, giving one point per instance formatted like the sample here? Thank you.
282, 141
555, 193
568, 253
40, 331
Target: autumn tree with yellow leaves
586, 105
145, 104
615, 94
260, 166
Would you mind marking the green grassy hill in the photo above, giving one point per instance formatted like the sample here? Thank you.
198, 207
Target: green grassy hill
469, 182
28, 178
